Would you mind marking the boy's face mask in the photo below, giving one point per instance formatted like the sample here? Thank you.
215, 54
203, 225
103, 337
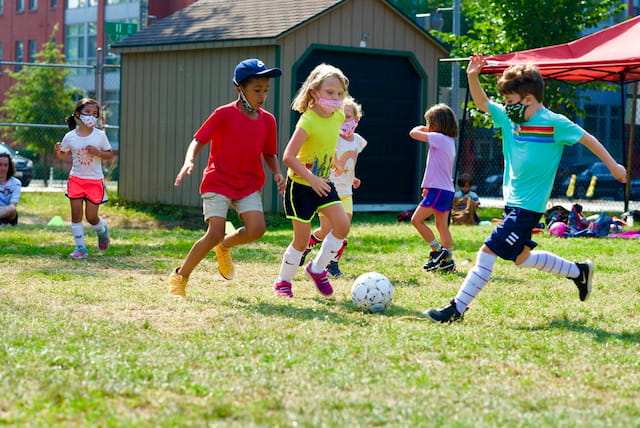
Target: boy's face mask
515, 112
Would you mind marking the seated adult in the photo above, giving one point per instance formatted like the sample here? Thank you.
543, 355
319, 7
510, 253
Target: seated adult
9, 191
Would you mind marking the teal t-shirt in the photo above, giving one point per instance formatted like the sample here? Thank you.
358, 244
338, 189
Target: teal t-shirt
532, 152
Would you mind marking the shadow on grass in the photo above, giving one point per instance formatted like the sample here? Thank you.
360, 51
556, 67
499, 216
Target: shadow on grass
337, 312
580, 326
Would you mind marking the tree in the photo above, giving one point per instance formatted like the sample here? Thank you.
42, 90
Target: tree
40, 95
497, 27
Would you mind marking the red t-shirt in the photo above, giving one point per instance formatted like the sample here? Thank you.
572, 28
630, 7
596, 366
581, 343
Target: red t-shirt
238, 142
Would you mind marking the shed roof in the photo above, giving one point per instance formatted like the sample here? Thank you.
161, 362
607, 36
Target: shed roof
215, 20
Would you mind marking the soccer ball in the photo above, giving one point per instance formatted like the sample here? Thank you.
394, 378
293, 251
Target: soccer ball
372, 292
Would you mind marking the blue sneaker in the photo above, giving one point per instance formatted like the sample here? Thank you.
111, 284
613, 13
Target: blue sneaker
79, 253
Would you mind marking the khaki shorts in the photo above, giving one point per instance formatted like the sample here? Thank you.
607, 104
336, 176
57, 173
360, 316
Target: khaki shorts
217, 205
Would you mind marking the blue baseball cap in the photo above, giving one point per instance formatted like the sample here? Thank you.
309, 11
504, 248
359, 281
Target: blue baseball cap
253, 67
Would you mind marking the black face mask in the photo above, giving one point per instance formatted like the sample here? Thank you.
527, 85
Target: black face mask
515, 112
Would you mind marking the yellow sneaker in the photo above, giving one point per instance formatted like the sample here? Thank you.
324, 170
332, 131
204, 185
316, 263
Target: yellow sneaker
225, 264
177, 284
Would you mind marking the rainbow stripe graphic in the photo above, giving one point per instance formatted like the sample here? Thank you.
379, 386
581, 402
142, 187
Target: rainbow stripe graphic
534, 134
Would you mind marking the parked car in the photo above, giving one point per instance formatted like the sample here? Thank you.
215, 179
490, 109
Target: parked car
24, 166
607, 187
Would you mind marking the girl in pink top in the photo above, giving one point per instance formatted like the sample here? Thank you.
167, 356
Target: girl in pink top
437, 185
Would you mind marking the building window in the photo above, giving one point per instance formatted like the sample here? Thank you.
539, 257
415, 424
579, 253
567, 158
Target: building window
33, 4
74, 4
1, 7
32, 46
1, 54
53, 4
19, 53
80, 43
19, 5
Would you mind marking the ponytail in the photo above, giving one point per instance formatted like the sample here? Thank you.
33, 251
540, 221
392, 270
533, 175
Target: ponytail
71, 121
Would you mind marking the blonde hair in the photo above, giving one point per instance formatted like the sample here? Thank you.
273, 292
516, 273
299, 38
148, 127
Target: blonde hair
304, 100
350, 102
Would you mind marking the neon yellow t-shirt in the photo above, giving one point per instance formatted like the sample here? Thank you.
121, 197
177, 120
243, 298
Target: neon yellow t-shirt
318, 150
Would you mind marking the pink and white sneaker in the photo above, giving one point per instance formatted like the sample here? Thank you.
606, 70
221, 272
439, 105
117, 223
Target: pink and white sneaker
282, 289
320, 279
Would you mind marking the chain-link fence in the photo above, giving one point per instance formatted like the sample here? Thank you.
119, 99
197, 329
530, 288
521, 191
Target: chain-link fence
581, 178
100, 82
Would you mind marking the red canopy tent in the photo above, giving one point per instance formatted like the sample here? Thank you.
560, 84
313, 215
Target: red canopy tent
611, 55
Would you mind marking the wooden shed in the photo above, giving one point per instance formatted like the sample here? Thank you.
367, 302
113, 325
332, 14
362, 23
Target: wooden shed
175, 72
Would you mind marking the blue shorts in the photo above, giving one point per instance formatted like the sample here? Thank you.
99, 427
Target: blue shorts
301, 202
513, 233
438, 199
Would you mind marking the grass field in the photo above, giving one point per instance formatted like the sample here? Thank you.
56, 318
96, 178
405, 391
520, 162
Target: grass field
98, 343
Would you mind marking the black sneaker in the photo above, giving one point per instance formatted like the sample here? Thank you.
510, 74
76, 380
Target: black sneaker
446, 314
435, 258
334, 269
305, 253
583, 281
447, 265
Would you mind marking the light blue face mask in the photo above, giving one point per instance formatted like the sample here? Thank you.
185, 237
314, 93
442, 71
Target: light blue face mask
245, 103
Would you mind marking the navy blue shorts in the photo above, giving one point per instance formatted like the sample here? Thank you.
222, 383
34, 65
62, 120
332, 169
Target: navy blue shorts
513, 233
302, 203
438, 199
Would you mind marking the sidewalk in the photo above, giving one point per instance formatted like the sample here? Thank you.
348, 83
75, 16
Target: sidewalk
593, 206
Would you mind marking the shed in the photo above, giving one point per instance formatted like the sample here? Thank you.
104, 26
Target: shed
175, 72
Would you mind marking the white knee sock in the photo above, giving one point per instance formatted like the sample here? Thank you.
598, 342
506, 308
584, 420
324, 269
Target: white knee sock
476, 279
77, 229
289, 266
548, 262
99, 228
329, 249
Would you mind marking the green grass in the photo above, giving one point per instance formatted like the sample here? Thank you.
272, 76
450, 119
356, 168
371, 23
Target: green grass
97, 343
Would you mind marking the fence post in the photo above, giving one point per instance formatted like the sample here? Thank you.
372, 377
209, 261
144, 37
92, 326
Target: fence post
99, 76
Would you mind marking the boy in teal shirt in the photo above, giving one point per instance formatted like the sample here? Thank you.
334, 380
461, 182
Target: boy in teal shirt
533, 141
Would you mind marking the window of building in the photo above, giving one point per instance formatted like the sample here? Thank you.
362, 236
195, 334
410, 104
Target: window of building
19, 5
80, 43
19, 53
1, 56
1, 7
74, 4
53, 4
32, 47
33, 4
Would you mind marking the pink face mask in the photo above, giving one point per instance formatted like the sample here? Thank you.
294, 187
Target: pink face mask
348, 127
329, 105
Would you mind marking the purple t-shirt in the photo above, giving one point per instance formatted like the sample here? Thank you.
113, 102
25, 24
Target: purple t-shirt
439, 170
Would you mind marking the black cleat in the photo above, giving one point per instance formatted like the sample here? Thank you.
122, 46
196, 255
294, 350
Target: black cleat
334, 269
583, 281
435, 258
446, 314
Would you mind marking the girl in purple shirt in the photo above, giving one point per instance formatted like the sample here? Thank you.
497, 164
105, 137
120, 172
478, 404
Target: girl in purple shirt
437, 185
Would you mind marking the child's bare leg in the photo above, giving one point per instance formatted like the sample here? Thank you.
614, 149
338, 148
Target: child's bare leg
202, 247
417, 220
253, 229
442, 225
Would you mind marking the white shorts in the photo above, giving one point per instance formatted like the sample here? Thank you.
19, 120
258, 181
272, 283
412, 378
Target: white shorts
217, 205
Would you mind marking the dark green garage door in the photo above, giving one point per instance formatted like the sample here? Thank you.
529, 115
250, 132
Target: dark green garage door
389, 89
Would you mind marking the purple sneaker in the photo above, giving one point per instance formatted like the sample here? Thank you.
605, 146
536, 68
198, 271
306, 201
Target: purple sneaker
282, 289
320, 279
103, 239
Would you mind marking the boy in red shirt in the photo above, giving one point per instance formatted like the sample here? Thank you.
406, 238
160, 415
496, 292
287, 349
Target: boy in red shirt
241, 134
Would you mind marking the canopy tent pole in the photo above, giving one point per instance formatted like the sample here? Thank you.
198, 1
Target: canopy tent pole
632, 137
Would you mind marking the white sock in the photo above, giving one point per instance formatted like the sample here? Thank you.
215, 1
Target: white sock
77, 229
476, 279
330, 247
99, 228
290, 261
549, 262
435, 245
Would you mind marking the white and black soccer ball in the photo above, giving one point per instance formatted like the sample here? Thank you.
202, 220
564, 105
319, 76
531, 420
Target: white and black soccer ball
372, 292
